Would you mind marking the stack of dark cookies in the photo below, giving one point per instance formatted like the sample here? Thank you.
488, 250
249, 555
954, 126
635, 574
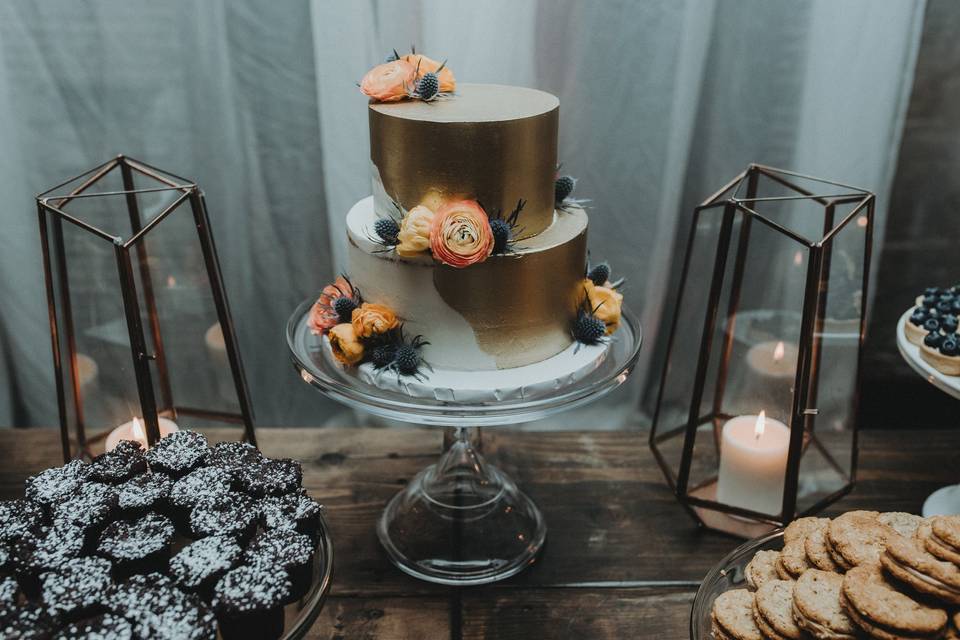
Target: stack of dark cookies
891, 576
174, 542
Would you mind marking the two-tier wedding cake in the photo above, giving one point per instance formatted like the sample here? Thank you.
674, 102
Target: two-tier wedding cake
468, 275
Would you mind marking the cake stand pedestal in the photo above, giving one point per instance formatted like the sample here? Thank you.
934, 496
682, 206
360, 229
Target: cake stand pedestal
460, 521
944, 501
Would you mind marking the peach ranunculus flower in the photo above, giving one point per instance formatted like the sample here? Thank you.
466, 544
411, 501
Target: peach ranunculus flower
414, 233
345, 345
390, 81
371, 319
427, 65
461, 235
605, 303
323, 314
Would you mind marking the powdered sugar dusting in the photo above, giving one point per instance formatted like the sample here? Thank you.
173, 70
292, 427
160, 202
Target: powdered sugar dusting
178, 452
135, 539
77, 586
251, 588
200, 484
203, 559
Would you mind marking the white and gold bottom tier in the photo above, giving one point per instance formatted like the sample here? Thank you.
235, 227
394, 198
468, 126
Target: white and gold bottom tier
512, 310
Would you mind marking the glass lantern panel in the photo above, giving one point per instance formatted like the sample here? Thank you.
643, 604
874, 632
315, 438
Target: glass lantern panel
191, 372
99, 382
752, 365
680, 369
827, 463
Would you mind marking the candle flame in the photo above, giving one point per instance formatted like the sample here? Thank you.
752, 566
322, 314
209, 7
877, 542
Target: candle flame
778, 352
798, 258
171, 282
137, 430
761, 425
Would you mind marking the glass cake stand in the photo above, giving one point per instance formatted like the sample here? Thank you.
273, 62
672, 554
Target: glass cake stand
946, 500
460, 521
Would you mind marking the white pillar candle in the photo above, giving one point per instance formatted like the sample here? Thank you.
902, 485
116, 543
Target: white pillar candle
137, 430
753, 462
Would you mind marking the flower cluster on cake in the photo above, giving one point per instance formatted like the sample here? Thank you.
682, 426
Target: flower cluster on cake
471, 254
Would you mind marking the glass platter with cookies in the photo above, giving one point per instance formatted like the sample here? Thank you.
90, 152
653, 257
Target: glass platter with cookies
862, 574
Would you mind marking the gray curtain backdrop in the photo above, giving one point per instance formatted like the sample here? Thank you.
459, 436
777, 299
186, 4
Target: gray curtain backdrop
661, 102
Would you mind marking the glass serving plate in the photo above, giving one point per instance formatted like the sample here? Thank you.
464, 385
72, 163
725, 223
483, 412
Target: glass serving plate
318, 368
724, 576
299, 616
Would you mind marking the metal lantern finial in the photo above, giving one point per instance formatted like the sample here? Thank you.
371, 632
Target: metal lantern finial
133, 283
756, 414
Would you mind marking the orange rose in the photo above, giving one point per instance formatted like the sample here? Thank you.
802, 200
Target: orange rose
460, 234
605, 302
344, 344
447, 82
390, 81
373, 319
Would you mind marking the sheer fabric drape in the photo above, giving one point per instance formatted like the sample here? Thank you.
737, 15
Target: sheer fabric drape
661, 102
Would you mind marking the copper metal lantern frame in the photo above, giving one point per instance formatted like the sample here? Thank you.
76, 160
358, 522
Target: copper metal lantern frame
804, 401
51, 219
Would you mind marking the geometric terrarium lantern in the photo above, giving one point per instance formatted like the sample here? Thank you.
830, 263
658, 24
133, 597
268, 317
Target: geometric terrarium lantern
755, 422
141, 330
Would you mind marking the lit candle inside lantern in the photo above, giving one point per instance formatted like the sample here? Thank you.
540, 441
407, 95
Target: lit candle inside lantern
136, 430
753, 462
773, 359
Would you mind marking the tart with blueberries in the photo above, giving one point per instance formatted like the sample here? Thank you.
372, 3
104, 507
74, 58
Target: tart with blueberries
942, 351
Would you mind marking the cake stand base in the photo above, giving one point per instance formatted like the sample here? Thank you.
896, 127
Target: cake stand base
461, 521
943, 502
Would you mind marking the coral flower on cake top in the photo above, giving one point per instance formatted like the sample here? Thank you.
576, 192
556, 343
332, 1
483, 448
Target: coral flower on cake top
411, 76
390, 81
460, 235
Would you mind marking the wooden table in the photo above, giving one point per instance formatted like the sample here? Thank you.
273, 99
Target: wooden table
623, 560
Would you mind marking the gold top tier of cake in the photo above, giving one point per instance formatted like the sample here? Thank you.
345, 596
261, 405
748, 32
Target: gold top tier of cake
491, 143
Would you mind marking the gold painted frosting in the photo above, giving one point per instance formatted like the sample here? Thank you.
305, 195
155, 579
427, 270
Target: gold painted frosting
491, 143
508, 311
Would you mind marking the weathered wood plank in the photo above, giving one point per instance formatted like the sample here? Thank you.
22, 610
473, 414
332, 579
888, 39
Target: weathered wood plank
574, 614
612, 521
383, 619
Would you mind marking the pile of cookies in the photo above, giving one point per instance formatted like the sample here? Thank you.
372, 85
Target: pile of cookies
891, 576
932, 326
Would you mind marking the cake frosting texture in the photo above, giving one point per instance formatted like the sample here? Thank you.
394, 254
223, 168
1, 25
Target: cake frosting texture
508, 311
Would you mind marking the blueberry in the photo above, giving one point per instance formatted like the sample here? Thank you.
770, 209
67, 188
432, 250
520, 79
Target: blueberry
933, 313
932, 291
950, 346
933, 339
944, 306
918, 317
947, 297
949, 324
932, 324
930, 300
955, 308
